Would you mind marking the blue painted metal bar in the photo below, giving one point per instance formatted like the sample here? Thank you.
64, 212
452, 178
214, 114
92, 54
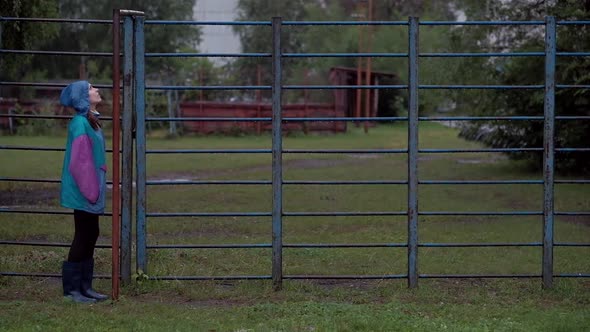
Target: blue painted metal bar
572, 86
208, 151
478, 245
572, 149
481, 213
571, 181
362, 182
210, 278
347, 277
345, 23
46, 244
127, 155
49, 212
345, 55
60, 53
45, 275
412, 211
573, 22
549, 151
140, 146
577, 213
475, 86
343, 87
208, 87
277, 156
229, 23
570, 244
573, 53
36, 180
468, 276
205, 182
33, 116
482, 23
207, 214
478, 182
479, 150
30, 148
344, 214
54, 20
207, 55
346, 151
394, 118
51, 85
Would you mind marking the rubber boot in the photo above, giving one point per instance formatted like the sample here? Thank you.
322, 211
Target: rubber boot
71, 280
86, 283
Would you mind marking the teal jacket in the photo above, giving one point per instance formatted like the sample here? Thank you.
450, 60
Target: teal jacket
83, 179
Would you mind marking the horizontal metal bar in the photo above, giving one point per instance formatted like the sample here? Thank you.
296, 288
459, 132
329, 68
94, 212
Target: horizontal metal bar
261, 277
480, 213
207, 55
50, 212
476, 54
267, 119
167, 22
30, 180
208, 151
572, 181
211, 119
36, 148
480, 118
479, 150
45, 275
572, 275
208, 87
346, 151
344, 214
466, 276
573, 213
60, 53
342, 87
209, 246
46, 244
572, 149
345, 55
208, 182
573, 53
571, 244
208, 214
479, 245
344, 23
482, 23
482, 87
361, 182
54, 20
573, 22
346, 277
572, 86
49, 85
572, 117
35, 116
480, 182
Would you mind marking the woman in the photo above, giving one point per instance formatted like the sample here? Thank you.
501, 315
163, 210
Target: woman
83, 185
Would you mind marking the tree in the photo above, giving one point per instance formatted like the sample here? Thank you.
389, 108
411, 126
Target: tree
571, 102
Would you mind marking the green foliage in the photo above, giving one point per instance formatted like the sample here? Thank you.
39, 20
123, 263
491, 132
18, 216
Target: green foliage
24, 35
530, 71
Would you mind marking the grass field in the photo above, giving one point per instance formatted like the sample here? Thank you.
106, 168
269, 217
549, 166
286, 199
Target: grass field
314, 305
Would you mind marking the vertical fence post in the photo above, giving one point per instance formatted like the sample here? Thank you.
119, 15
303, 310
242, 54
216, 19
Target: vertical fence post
127, 167
116, 197
413, 152
549, 151
277, 158
140, 144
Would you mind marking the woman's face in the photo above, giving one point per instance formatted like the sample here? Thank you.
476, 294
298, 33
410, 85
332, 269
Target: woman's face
93, 95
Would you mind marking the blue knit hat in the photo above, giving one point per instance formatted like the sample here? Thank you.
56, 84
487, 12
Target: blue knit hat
76, 95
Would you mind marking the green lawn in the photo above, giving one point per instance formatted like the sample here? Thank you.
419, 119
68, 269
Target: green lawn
316, 305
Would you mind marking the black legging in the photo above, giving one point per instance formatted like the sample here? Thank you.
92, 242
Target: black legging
85, 236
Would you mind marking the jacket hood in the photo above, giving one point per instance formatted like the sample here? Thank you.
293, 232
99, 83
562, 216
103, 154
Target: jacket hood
76, 95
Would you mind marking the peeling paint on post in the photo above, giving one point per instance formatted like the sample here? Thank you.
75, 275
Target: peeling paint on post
127, 167
413, 153
140, 147
277, 158
549, 151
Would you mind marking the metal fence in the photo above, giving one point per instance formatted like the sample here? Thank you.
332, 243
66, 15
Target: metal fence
134, 111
